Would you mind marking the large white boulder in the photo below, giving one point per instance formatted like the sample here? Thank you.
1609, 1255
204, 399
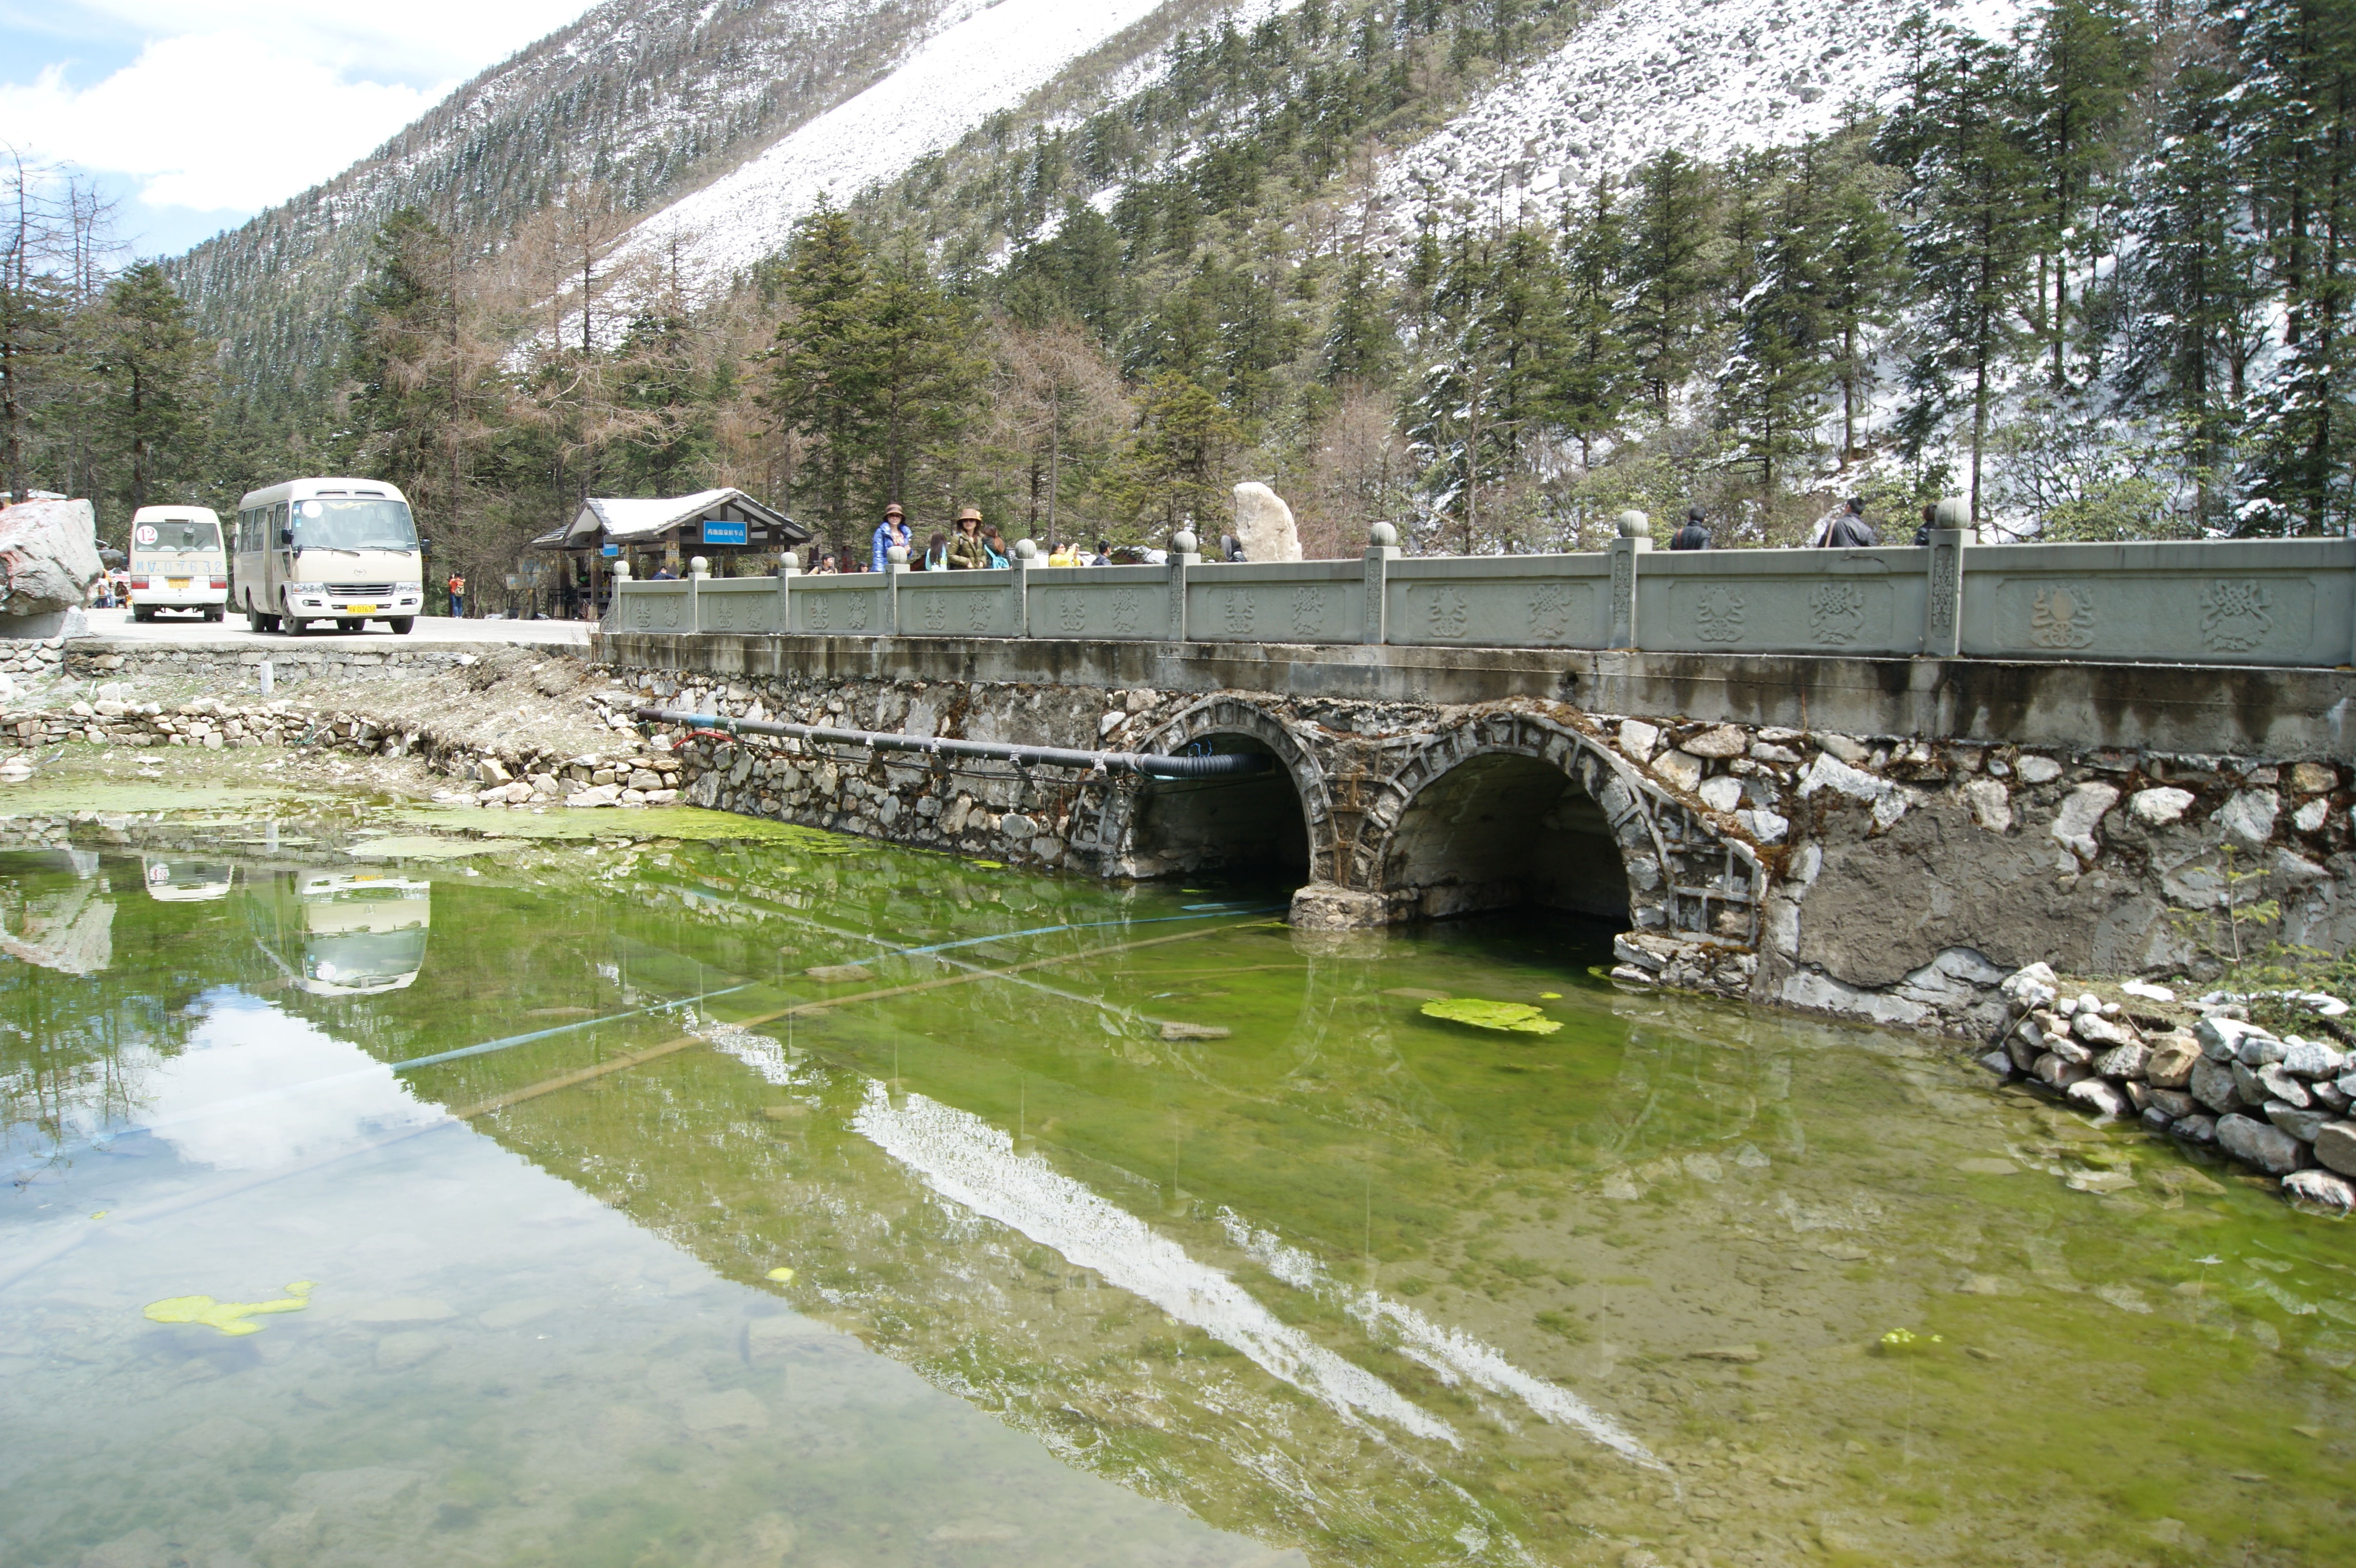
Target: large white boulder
48, 558
1264, 524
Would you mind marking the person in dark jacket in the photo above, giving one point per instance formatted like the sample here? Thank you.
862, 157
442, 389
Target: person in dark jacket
1848, 530
1930, 522
1694, 535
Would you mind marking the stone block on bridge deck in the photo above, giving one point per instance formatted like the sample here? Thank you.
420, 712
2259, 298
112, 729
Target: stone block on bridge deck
1869, 602
1499, 601
1101, 604
2223, 602
1305, 601
958, 604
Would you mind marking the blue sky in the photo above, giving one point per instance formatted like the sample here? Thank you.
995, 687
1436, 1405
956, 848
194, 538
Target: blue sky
144, 95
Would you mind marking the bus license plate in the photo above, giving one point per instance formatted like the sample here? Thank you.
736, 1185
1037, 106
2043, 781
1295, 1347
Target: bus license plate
179, 585
361, 609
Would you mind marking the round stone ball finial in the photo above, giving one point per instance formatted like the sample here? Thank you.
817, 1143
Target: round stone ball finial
621, 575
897, 555
1634, 525
1382, 536
790, 561
700, 567
1026, 549
1183, 542
1954, 511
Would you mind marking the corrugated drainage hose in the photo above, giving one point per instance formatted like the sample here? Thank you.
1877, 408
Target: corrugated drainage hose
1222, 765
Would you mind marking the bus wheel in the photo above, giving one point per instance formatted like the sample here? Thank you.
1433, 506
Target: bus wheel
143, 612
401, 624
347, 623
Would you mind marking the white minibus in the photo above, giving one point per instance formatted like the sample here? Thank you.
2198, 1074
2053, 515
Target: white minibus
339, 550
176, 562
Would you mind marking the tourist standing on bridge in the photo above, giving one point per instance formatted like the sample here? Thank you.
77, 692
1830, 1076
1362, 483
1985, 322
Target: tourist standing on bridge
937, 555
967, 552
1930, 522
1846, 529
1694, 535
1000, 556
893, 530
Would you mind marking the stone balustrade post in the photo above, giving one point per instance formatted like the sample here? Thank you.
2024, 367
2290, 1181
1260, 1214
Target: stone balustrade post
895, 566
613, 618
789, 566
1635, 538
1026, 555
1943, 608
1184, 552
1382, 549
698, 569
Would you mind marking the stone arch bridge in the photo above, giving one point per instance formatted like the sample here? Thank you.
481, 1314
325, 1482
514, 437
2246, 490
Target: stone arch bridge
1876, 837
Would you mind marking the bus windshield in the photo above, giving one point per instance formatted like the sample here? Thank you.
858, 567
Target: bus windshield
177, 534
330, 522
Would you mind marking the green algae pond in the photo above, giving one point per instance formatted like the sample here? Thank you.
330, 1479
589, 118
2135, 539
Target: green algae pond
705, 1193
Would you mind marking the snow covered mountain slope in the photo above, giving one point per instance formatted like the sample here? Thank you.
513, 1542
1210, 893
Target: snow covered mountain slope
1707, 77
985, 63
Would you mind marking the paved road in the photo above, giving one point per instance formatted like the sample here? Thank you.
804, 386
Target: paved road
430, 628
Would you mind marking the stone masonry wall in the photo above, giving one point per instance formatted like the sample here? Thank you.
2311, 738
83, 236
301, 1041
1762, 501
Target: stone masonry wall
290, 665
1905, 879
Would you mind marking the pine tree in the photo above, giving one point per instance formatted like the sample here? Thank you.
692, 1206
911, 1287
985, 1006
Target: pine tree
2194, 283
1595, 374
1667, 271
914, 348
1767, 394
1362, 344
155, 369
2295, 138
814, 372
1178, 471
1860, 266
1971, 226
2086, 58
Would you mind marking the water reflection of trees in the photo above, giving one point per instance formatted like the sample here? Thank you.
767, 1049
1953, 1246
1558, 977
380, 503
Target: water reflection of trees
92, 991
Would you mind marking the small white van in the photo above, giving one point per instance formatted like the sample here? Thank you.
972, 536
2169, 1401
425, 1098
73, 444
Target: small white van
176, 562
339, 550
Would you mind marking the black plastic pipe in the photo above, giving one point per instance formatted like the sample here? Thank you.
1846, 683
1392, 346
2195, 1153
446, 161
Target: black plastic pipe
1222, 765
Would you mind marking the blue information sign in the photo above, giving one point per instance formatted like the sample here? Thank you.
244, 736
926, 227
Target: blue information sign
611, 551
717, 532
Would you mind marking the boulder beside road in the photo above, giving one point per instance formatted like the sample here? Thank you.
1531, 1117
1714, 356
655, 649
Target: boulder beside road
48, 558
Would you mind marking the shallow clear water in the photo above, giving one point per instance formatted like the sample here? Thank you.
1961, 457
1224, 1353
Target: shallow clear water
1124, 1225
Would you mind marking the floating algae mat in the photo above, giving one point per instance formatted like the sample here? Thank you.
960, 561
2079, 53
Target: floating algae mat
1118, 1231
1513, 1017
231, 1317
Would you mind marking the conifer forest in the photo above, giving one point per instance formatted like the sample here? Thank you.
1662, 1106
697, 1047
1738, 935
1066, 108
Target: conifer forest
2098, 276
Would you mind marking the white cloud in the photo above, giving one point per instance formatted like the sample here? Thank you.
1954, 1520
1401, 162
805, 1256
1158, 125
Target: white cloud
420, 42
211, 120
236, 104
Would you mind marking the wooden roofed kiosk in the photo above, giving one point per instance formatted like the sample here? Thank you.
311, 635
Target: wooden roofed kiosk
740, 535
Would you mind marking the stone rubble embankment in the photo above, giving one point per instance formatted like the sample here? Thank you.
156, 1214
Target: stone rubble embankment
2280, 1104
522, 775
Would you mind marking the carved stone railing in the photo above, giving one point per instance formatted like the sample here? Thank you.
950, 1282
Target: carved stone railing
2271, 602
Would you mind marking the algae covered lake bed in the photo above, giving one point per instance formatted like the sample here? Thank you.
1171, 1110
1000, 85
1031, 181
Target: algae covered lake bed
677, 1189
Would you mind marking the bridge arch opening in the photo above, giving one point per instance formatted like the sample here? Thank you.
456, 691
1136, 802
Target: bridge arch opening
1250, 829
1503, 831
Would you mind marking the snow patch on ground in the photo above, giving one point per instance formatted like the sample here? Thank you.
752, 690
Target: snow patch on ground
1708, 77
